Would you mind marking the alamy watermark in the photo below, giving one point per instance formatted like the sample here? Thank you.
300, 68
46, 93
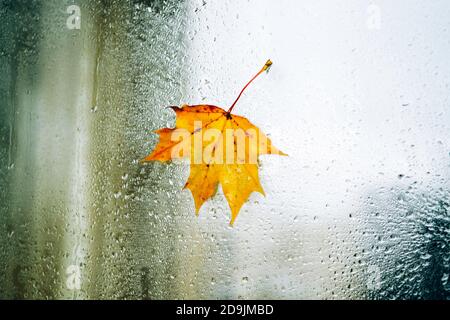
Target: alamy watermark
73, 22
373, 21
373, 278
73, 280
213, 146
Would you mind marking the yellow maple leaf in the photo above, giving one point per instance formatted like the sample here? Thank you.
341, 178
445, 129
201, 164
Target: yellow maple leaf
222, 148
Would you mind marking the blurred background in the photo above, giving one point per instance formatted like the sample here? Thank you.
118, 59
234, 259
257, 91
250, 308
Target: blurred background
358, 96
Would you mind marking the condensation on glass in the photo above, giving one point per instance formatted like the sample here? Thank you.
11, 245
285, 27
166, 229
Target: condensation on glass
357, 96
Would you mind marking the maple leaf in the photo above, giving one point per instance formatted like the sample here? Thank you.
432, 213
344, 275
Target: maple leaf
222, 148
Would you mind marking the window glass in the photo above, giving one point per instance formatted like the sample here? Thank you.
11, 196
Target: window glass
358, 97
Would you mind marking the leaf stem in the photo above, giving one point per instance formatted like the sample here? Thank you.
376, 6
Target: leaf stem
264, 68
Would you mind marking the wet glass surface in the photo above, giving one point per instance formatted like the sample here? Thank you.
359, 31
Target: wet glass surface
358, 96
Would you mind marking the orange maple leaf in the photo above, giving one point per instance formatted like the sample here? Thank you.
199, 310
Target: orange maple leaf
222, 148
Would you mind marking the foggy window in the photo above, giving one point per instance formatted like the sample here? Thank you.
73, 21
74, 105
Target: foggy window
358, 97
